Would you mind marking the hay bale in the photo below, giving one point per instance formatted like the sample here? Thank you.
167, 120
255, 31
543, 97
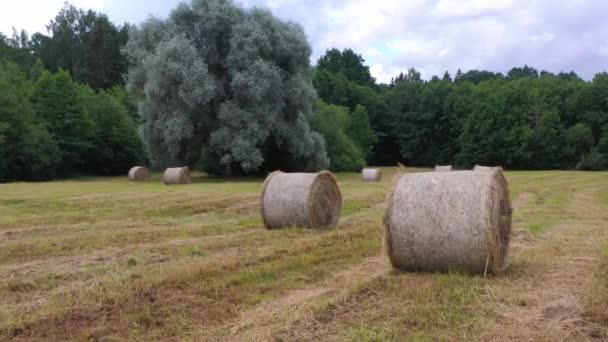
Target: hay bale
457, 220
139, 174
311, 200
176, 175
371, 175
485, 168
443, 168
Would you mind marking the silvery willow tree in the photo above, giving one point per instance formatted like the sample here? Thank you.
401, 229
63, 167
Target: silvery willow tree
227, 86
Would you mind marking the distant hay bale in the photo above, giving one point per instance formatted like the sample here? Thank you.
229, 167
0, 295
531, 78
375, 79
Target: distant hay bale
485, 168
443, 168
310, 200
443, 221
176, 175
139, 174
371, 175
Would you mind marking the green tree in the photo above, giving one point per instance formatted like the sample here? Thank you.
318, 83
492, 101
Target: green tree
420, 124
332, 88
346, 63
57, 101
360, 131
120, 93
477, 76
28, 151
545, 143
85, 43
333, 121
226, 84
447, 77
116, 144
579, 140
524, 71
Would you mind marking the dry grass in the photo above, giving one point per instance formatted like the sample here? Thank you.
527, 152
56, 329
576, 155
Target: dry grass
104, 258
597, 298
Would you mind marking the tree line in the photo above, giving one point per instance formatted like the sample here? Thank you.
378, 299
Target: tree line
523, 120
63, 109
231, 91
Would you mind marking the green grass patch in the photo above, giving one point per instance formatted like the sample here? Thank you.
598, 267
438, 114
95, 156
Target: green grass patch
539, 225
352, 207
366, 333
400, 307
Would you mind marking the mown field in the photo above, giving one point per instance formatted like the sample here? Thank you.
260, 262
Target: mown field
105, 259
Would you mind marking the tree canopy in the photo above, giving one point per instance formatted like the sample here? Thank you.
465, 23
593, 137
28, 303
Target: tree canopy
226, 85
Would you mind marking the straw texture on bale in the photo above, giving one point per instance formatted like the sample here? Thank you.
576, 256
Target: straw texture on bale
139, 174
310, 200
485, 168
443, 168
176, 175
457, 220
371, 175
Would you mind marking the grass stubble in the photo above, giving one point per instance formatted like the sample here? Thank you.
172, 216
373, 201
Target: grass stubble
101, 258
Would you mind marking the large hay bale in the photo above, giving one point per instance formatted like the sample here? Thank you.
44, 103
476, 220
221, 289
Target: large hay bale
311, 200
443, 221
371, 175
176, 175
478, 167
443, 168
139, 174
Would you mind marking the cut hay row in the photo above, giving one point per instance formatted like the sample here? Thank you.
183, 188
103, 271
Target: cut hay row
457, 220
311, 200
371, 175
139, 174
177, 175
443, 168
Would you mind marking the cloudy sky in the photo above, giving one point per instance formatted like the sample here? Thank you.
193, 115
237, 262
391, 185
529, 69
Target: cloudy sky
393, 35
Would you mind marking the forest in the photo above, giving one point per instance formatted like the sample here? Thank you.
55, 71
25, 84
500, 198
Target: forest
232, 91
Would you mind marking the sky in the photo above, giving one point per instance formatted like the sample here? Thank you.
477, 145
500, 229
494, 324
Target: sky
433, 36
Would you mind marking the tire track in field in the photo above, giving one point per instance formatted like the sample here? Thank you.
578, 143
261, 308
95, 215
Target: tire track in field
259, 323
543, 298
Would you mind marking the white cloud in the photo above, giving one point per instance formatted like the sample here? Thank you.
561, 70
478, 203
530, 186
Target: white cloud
542, 38
373, 52
33, 16
384, 73
393, 35
438, 35
468, 8
410, 46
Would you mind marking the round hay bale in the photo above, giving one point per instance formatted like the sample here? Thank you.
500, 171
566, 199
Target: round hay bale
371, 175
443, 168
457, 220
139, 174
176, 175
485, 168
310, 200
